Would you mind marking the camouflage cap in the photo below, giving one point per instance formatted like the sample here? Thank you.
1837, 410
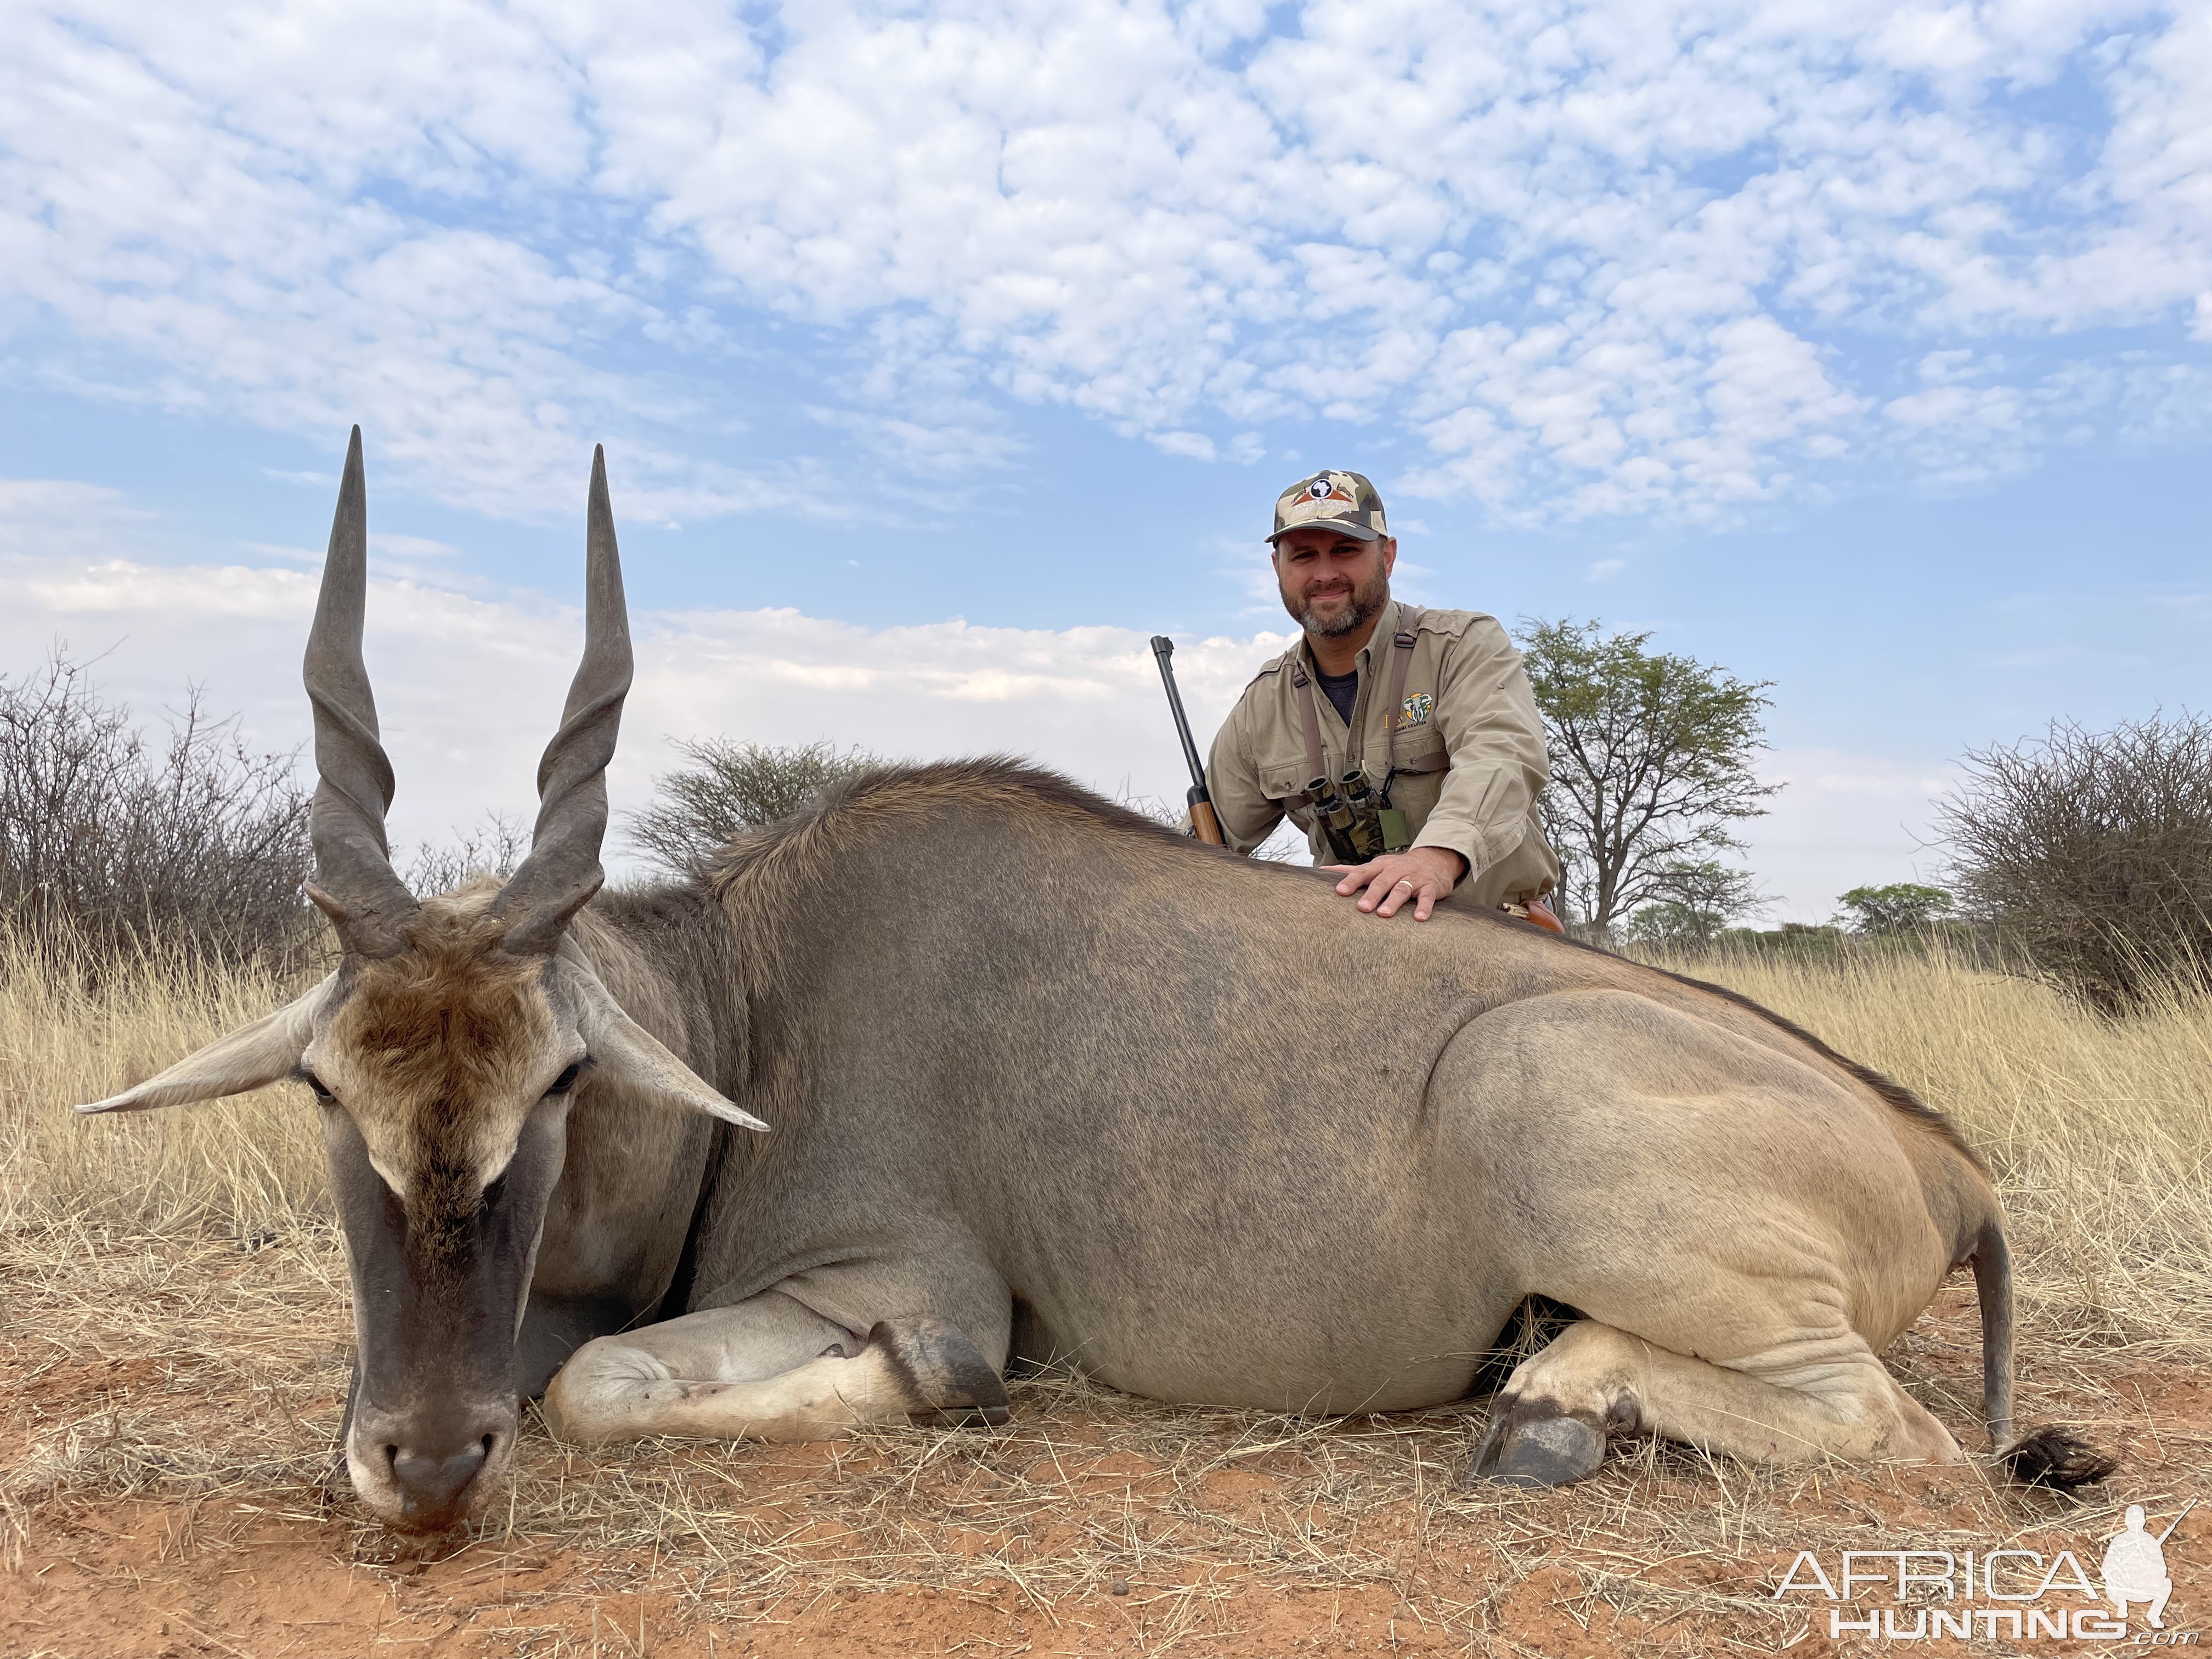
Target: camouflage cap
1343, 502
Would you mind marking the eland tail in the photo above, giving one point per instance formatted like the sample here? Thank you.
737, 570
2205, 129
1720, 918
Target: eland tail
2041, 1457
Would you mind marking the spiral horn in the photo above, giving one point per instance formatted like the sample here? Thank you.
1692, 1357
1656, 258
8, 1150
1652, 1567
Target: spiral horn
355, 884
563, 870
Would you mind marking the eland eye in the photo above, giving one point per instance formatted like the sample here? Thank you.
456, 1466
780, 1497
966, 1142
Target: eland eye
315, 1082
566, 1081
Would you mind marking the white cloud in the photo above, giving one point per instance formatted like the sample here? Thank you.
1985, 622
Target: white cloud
62, 517
1842, 820
1599, 257
468, 688
1191, 446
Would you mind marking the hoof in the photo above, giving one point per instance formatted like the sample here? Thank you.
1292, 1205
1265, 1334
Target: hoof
944, 1376
1548, 1451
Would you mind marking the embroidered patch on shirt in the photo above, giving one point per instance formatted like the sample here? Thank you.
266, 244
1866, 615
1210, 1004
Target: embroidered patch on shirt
1416, 710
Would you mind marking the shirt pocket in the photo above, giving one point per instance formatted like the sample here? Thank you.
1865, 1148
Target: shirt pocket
1284, 776
1417, 797
1421, 753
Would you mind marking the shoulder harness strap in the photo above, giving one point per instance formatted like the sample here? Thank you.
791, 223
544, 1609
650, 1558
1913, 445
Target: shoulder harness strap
1302, 693
1401, 660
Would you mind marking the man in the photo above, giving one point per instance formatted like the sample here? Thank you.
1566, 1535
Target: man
1432, 706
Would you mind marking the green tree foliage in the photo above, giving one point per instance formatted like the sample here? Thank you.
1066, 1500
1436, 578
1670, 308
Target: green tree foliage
1652, 761
727, 788
1707, 897
2091, 852
1899, 907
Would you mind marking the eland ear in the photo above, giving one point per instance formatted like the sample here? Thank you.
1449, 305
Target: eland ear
260, 1054
629, 1054
625, 1050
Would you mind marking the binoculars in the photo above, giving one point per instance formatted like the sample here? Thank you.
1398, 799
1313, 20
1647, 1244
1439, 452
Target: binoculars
1354, 817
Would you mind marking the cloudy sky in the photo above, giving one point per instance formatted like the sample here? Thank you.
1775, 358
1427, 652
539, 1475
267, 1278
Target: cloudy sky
943, 352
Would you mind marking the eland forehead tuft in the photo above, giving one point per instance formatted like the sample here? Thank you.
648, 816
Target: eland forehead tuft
439, 1051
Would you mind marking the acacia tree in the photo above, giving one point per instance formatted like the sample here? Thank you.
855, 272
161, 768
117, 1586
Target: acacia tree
2092, 853
729, 787
1652, 761
125, 841
1704, 898
494, 848
1899, 907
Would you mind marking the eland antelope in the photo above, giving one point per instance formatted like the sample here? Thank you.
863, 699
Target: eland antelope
1050, 1082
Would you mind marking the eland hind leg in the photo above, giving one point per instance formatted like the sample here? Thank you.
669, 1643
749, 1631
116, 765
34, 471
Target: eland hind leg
771, 1367
1802, 1399
1742, 1228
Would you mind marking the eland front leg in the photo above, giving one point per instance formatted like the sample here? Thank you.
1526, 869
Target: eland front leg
771, 1369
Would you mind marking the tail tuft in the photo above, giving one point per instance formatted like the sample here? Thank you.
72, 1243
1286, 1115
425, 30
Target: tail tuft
2054, 1458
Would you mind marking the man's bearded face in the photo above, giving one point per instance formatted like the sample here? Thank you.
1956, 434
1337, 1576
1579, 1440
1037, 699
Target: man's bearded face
1333, 584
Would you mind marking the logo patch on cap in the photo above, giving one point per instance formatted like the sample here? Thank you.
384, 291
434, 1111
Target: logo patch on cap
1332, 497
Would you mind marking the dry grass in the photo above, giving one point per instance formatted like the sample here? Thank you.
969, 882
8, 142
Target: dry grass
248, 1167
175, 1334
2099, 1133
206, 1377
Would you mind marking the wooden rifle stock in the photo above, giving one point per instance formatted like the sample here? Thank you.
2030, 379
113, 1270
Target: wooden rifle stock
1204, 823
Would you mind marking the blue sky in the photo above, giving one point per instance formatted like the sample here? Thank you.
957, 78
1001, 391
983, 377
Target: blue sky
1864, 348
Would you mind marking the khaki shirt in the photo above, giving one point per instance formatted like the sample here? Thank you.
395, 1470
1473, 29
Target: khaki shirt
1467, 729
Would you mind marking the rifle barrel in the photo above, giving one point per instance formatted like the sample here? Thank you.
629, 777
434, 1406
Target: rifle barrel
2177, 1521
1163, 649
1204, 823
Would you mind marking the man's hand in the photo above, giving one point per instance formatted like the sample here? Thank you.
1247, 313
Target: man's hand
1424, 875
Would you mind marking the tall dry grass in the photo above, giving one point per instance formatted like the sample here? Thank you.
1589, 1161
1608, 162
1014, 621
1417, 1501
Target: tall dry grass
248, 1167
2101, 1132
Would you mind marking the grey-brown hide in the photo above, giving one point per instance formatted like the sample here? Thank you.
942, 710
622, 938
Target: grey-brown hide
1221, 1138
1047, 1075
638, 1163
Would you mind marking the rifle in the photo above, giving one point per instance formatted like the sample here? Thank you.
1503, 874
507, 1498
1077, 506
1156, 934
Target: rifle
1203, 822
2172, 1524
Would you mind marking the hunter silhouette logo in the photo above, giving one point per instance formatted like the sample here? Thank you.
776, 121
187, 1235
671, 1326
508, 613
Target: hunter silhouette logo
2135, 1566
2019, 1596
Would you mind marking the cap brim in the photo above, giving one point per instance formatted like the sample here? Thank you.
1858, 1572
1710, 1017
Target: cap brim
1342, 527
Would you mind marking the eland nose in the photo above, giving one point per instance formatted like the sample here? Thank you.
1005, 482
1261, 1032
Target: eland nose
434, 1480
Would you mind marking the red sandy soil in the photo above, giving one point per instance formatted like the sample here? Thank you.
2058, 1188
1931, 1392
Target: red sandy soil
1236, 1542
